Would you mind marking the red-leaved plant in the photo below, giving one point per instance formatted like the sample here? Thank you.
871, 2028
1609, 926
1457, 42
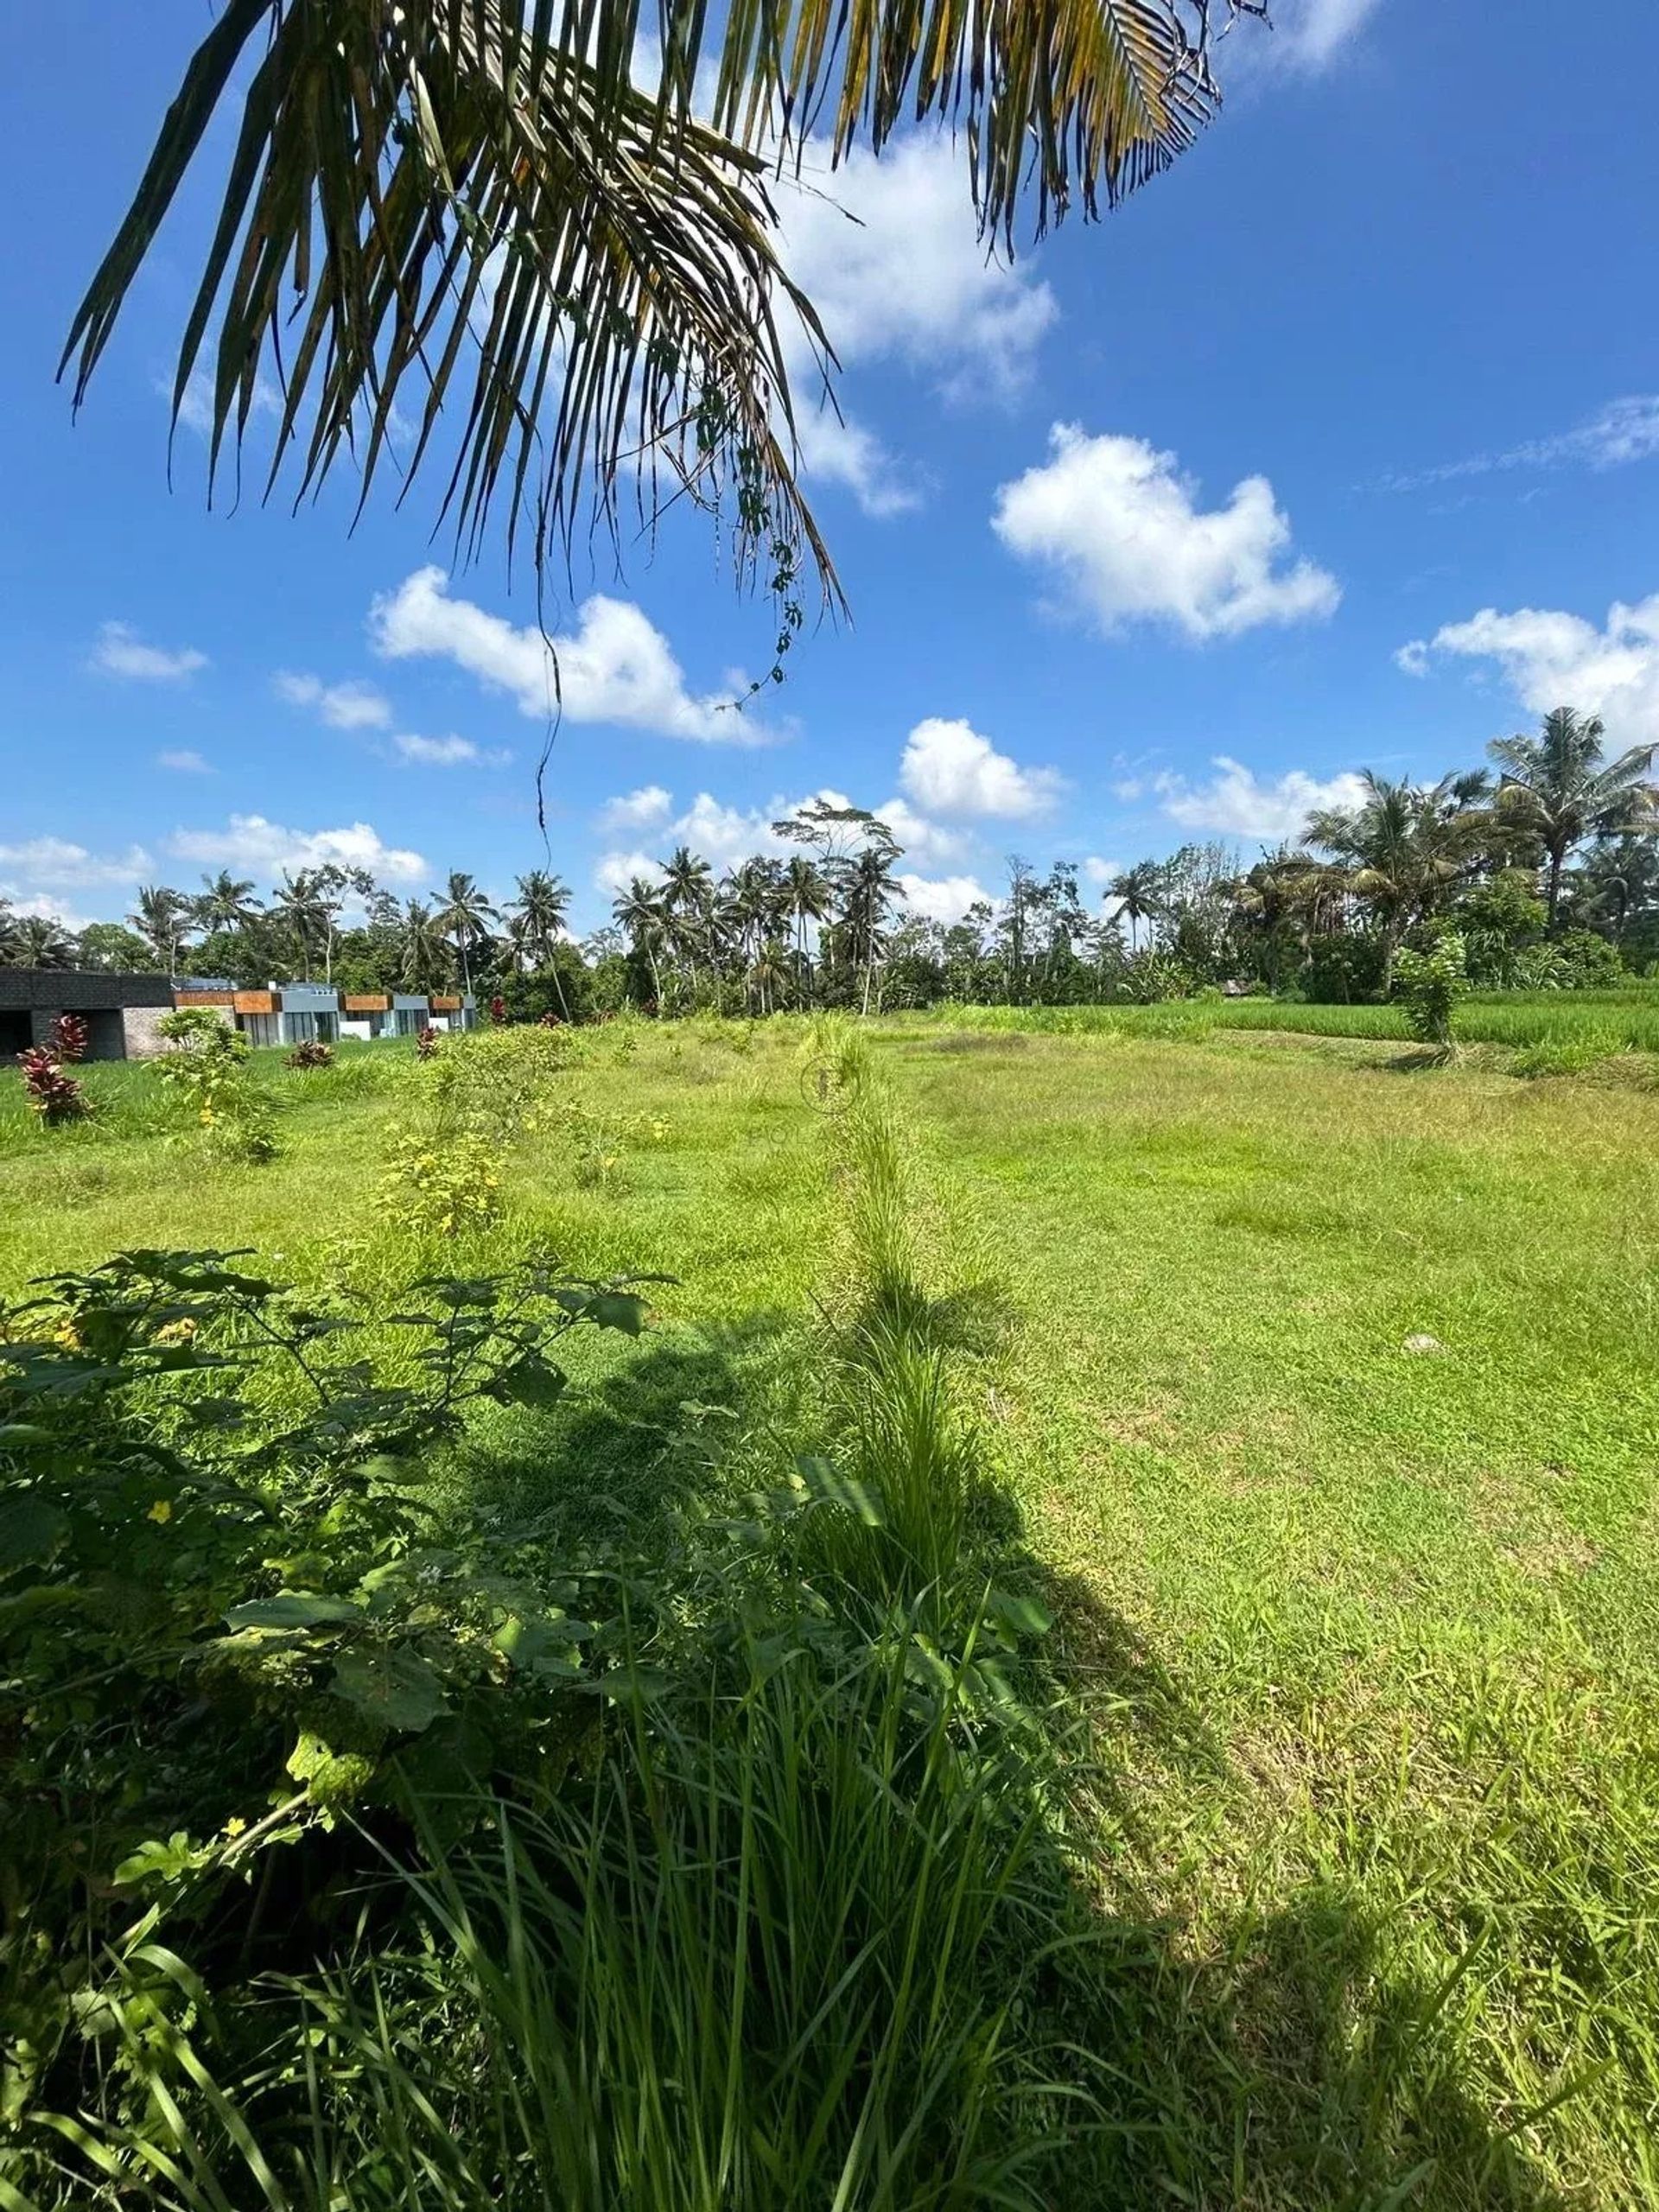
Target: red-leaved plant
311, 1053
70, 1039
498, 1010
426, 1042
55, 1096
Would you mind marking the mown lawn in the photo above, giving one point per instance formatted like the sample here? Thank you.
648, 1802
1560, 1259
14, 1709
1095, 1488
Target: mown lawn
1369, 1631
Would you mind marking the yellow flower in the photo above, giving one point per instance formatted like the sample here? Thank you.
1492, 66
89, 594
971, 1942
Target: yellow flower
160, 1512
235, 1825
176, 1332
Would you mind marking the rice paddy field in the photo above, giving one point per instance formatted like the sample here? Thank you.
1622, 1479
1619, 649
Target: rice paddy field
1316, 1387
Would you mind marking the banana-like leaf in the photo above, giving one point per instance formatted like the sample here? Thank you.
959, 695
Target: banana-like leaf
481, 210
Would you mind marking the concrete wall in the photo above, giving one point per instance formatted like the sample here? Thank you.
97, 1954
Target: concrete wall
143, 1031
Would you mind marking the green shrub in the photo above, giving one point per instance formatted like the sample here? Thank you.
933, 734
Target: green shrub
218, 1578
1428, 986
209, 1067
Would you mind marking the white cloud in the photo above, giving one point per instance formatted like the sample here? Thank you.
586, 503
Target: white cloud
1100, 873
1235, 804
641, 810
1550, 659
948, 766
1122, 527
1624, 431
249, 840
615, 667
342, 705
1413, 659
121, 652
889, 253
48, 908
615, 872
1307, 36
183, 762
54, 861
196, 408
944, 900
446, 753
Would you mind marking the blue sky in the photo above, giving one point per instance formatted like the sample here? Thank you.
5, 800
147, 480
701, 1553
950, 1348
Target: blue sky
1336, 448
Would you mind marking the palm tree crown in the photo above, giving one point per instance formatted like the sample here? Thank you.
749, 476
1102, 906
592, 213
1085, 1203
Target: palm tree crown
427, 191
1559, 788
464, 915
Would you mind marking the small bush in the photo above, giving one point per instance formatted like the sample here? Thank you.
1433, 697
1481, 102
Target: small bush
1567, 1053
1428, 986
208, 1066
311, 1053
70, 1039
55, 1097
426, 1043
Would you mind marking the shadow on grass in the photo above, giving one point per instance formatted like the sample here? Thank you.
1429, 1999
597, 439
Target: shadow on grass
1282, 2059
628, 1450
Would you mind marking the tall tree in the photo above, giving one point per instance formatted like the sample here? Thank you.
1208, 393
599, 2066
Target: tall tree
1139, 893
299, 909
1405, 847
426, 192
1561, 788
226, 902
641, 912
422, 951
464, 915
163, 917
806, 889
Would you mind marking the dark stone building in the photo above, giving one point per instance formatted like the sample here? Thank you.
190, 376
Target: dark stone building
120, 1012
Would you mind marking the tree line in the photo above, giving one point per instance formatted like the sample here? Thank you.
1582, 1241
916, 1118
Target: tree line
1544, 866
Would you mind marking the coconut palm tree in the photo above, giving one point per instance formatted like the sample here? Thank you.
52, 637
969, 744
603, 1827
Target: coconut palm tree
163, 917
1404, 848
299, 906
422, 950
537, 917
225, 903
40, 941
471, 212
870, 896
464, 915
640, 914
1559, 789
1140, 895
806, 892
9, 935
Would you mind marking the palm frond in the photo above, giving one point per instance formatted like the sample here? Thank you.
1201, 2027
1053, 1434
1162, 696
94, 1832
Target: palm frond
475, 202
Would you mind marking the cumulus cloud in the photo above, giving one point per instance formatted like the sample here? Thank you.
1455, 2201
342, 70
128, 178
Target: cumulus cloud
121, 652
1234, 803
614, 872
641, 809
342, 705
1099, 873
944, 900
1122, 528
183, 762
889, 253
948, 766
614, 666
56, 861
445, 752
265, 849
1552, 659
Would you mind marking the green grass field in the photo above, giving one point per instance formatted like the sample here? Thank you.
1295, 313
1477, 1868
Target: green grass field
1318, 1388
